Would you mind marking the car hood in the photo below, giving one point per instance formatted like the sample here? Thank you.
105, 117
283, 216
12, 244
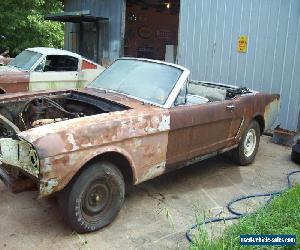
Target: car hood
81, 133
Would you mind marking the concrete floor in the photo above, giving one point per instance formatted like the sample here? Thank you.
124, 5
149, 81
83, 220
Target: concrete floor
156, 214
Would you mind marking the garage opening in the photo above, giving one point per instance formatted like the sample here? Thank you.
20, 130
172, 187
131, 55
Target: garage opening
151, 29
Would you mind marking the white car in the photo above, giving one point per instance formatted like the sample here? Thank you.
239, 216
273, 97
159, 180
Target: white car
37, 69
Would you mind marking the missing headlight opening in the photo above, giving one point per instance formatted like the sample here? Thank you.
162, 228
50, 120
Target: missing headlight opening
19, 154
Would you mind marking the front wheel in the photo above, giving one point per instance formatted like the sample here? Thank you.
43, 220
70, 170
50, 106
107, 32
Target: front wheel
94, 198
245, 153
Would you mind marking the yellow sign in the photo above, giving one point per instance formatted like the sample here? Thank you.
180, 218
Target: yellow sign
242, 44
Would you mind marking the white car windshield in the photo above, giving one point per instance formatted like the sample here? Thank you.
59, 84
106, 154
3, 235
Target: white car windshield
145, 80
25, 60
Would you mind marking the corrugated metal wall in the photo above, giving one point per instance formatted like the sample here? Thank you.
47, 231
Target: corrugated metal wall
114, 10
209, 31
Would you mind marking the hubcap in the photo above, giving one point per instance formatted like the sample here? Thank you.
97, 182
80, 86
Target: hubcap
250, 143
96, 199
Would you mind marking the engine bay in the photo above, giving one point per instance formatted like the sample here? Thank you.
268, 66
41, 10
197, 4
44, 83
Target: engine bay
21, 115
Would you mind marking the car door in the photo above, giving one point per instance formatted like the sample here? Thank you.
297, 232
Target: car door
55, 72
197, 130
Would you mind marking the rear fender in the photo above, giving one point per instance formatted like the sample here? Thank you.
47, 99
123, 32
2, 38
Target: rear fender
271, 113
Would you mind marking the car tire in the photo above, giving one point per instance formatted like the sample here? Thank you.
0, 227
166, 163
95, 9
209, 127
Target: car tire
295, 156
245, 153
94, 198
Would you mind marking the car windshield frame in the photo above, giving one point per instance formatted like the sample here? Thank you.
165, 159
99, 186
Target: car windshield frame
26, 60
173, 90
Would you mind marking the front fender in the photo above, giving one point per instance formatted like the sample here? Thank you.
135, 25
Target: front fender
56, 172
145, 154
65, 147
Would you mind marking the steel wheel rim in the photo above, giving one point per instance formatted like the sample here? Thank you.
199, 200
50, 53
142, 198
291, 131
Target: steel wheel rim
96, 201
250, 143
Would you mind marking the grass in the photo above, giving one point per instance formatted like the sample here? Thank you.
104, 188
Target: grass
281, 216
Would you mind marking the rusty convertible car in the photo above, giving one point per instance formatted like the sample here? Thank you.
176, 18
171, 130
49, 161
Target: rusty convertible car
41, 68
139, 119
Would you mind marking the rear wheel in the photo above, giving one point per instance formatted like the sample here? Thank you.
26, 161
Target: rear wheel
94, 198
245, 153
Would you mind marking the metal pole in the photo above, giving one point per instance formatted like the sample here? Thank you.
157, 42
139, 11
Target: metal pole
97, 40
80, 38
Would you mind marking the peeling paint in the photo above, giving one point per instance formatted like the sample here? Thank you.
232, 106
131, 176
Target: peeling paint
165, 123
48, 187
72, 141
271, 113
154, 171
20, 154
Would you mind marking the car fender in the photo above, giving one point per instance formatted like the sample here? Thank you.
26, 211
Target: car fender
53, 176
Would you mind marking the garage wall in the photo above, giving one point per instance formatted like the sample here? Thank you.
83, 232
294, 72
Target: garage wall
209, 32
111, 32
162, 27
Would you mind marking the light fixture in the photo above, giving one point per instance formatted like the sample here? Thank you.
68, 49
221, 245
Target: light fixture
168, 5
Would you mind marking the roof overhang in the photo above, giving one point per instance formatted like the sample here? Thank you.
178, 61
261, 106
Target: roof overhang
75, 17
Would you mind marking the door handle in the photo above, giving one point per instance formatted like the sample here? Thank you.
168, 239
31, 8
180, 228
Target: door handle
230, 107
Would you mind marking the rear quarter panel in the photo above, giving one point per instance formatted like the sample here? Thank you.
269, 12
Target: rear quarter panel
261, 105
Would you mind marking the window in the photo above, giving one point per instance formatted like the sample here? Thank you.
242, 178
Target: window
60, 63
181, 98
25, 60
149, 81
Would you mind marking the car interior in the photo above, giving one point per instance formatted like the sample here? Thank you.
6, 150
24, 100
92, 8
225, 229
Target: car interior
61, 63
199, 92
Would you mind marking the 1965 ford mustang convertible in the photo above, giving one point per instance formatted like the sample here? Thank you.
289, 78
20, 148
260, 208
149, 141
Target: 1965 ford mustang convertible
139, 119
